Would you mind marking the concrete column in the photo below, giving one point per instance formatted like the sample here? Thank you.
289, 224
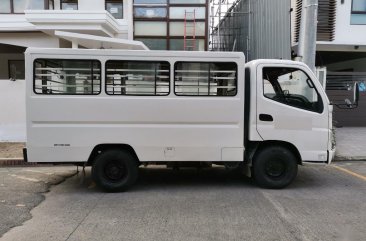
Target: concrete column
75, 44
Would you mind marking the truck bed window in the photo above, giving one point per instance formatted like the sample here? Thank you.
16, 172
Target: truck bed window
137, 78
205, 79
66, 77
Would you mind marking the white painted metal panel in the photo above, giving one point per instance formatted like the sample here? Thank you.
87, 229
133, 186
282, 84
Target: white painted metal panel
67, 128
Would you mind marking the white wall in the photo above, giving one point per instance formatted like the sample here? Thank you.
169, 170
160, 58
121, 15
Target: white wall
12, 93
91, 5
32, 39
346, 35
12, 110
345, 32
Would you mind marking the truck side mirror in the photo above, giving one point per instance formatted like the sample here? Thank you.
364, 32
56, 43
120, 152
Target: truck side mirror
351, 104
348, 102
356, 93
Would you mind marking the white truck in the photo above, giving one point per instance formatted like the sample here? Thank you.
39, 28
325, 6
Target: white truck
115, 110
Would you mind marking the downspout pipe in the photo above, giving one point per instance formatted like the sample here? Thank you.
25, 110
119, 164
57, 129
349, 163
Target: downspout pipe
308, 31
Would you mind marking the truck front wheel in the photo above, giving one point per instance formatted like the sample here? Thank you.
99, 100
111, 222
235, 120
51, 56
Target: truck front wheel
274, 167
115, 170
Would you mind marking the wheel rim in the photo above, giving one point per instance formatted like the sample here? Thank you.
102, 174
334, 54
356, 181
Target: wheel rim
115, 171
275, 168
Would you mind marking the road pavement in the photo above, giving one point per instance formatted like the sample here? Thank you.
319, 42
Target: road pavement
324, 203
23, 188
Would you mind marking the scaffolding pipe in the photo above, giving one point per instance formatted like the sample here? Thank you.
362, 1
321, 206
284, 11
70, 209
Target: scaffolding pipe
218, 26
249, 32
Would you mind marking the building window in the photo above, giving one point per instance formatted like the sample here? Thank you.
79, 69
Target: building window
187, 12
358, 15
115, 7
67, 77
151, 28
137, 78
148, 2
190, 44
69, 4
174, 21
187, 1
51, 4
150, 12
154, 43
205, 79
18, 6
6, 6
16, 69
189, 28
358, 6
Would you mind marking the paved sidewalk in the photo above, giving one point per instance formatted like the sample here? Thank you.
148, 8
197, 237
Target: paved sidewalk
351, 143
11, 150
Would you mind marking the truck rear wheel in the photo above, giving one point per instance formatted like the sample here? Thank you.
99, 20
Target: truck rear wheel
115, 170
274, 167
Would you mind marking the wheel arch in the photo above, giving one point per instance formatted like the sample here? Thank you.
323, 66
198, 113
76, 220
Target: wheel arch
108, 146
255, 147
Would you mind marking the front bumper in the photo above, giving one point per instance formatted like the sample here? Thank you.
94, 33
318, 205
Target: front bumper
331, 154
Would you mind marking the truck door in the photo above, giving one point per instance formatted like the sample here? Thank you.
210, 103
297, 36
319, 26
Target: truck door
290, 108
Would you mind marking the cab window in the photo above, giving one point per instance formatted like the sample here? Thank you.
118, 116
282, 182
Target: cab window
292, 87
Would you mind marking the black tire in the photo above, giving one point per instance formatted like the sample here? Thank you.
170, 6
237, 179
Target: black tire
274, 167
115, 170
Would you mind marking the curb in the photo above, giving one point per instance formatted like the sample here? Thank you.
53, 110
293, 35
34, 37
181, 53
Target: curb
348, 158
15, 162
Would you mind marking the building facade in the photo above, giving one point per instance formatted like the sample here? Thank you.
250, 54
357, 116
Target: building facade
261, 29
341, 48
158, 24
171, 24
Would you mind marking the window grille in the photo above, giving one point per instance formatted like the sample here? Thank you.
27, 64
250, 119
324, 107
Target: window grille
137, 78
67, 77
205, 79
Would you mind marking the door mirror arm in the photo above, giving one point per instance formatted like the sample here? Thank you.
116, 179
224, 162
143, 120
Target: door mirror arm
350, 104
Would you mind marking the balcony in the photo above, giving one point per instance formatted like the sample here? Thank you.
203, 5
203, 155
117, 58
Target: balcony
100, 23
15, 22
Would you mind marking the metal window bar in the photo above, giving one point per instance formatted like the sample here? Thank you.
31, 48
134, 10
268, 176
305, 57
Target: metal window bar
152, 82
92, 77
155, 79
135, 70
209, 78
219, 80
49, 73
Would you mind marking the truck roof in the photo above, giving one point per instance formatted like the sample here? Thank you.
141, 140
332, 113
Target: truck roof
153, 53
274, 61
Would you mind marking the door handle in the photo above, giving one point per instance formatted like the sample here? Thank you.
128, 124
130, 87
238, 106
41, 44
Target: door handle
265, 117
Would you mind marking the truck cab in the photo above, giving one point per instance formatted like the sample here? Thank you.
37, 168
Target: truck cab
291, 106
290, 118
